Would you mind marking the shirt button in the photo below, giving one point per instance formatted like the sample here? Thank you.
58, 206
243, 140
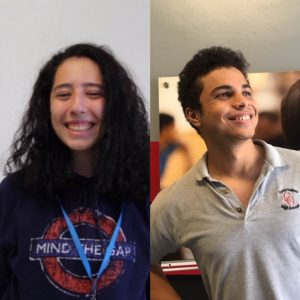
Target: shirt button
239, 210
225, 192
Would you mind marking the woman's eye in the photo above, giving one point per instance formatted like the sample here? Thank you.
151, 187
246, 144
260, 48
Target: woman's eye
95, 94
63, 96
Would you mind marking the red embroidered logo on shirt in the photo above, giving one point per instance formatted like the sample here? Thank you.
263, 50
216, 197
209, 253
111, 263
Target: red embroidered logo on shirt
289, 199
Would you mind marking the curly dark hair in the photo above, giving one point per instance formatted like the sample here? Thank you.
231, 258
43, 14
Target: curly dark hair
42, 161
203, 62
290, 112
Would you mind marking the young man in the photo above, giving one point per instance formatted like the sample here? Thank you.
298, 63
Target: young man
237, 209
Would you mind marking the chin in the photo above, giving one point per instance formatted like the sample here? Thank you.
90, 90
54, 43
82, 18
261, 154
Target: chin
80, 148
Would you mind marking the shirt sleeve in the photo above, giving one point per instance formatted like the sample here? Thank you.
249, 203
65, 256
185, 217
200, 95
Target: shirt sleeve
163, 238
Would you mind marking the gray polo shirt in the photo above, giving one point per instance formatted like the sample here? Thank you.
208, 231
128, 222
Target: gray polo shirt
251, 253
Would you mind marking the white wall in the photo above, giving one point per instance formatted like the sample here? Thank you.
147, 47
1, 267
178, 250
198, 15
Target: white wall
31, 31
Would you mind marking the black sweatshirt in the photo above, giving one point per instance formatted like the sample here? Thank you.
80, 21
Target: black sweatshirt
38, 259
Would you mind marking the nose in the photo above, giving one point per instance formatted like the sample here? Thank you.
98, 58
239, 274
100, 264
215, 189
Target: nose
240, 102
78, 103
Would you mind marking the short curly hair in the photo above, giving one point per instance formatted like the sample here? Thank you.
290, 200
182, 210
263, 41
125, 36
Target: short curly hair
203, 62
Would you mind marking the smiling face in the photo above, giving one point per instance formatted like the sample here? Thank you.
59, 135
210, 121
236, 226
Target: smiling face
77, 104
229, 111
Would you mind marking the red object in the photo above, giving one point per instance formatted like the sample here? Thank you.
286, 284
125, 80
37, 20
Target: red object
154, 170
180, 267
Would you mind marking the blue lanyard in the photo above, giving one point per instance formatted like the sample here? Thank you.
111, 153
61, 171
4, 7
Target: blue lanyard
82, 255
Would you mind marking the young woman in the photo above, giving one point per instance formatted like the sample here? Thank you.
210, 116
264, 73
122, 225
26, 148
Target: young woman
74, 205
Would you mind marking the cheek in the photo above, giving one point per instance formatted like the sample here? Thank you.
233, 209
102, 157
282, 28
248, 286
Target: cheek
99, 109
54, 123
256, 120
52, 110
216, 113
52, 113
57, 110
55, 116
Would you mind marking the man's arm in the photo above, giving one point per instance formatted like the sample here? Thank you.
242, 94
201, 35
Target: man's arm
160, 288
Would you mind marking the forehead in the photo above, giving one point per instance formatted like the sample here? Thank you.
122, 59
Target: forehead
76, 69
223, 76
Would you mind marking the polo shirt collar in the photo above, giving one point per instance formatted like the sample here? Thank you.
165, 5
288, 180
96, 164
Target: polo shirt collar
273, 159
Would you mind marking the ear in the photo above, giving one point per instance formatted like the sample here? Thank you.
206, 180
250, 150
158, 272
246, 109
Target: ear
194, 116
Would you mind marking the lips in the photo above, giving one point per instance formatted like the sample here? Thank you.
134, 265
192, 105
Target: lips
79, 125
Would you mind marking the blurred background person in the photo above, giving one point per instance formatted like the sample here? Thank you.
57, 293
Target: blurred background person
174, 157
269, 128
175, 160
290, 115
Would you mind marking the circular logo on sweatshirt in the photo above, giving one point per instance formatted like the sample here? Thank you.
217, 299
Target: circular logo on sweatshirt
60, 260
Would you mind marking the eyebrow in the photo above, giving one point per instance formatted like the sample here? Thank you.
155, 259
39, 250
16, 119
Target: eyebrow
69, 85
229, 87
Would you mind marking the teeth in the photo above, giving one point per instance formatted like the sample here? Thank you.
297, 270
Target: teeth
80, 126
243, 118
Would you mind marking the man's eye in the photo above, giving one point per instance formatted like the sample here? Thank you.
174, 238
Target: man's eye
248, 93
223, 95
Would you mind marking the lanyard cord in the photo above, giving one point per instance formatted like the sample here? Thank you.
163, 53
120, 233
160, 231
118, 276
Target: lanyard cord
81, 253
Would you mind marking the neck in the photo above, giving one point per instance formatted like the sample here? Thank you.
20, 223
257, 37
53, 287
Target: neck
244, 159
82, 163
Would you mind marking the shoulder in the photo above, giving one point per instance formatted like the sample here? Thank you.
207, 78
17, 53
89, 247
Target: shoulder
288, 153
9, 188
12, 190
280, 157
181, 189
290, 157
11, 182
